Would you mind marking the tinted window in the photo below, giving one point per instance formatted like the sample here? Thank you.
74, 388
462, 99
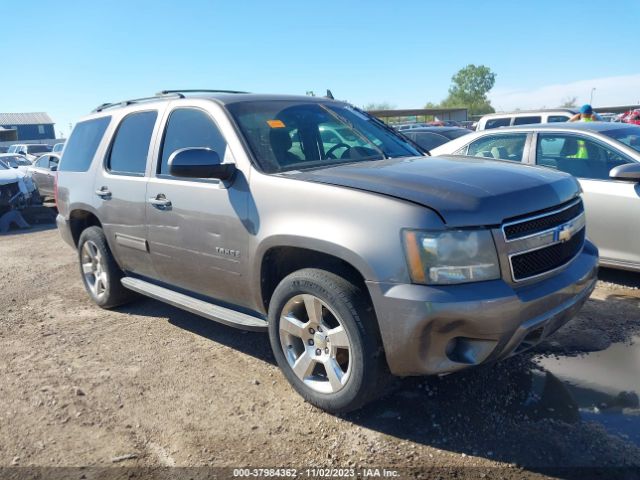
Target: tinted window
461, 132
83, 143
557, 118
190, 127
37, 148
526, 120
579, 156
131, 144
427, 140
497, 122
503, 147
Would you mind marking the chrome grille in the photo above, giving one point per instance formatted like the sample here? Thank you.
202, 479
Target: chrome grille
542, 243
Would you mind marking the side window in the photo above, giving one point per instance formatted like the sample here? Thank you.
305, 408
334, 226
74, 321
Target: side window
527, 120
579, 156
328, 136
190, 127
83, 143
503, 147
43, 162
130, 146
497, 122
557, 118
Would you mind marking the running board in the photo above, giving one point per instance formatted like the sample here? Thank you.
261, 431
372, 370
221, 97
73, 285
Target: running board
193, 305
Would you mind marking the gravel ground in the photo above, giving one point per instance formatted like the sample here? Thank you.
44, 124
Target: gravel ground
148, 385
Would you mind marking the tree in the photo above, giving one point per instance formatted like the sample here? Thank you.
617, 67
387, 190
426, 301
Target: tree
379, 106
469, 88
569, 102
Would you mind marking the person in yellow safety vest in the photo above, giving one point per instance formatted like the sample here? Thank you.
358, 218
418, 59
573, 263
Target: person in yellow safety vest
586, 114
582, 151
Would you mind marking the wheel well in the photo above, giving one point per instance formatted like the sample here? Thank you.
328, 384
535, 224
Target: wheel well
279, 262
80, 220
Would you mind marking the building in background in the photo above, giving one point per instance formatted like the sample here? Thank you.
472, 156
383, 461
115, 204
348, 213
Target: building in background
28, 126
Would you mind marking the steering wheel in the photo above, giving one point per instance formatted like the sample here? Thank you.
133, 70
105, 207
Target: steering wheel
335, 147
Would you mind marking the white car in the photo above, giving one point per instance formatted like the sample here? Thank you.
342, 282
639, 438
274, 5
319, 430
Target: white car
603, 156
17, 162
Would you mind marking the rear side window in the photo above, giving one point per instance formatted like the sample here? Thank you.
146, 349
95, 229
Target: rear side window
527, 120
557, 118
502, 147
130, 147
37, 148
497, 122
83, 143
190, 127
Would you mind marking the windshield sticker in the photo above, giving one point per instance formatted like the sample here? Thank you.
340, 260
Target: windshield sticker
276, 123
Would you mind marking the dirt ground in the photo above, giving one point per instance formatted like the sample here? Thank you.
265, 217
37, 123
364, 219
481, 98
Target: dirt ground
148, 385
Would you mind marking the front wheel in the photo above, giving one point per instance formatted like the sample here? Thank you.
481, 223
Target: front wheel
324, 337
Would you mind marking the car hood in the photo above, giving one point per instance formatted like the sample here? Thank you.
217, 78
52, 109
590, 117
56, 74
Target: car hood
465, 191
10, 176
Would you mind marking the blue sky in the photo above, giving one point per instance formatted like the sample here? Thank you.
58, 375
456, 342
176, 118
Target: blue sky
74, 55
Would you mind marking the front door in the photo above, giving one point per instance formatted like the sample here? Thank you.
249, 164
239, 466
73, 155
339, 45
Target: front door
197, 231
612, 207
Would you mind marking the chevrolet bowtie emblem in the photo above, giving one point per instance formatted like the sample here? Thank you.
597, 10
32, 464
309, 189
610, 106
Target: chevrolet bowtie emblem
564, 233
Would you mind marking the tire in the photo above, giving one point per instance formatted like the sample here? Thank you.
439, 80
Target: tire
99, 271
356, 374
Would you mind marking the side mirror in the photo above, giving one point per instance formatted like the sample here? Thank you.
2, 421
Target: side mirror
199, 162
629, 172
53, 168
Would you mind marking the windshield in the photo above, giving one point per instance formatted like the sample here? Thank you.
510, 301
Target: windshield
15, 162
293, 135
630, 136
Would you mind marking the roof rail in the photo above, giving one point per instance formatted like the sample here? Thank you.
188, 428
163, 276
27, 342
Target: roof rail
196, 90
124, 103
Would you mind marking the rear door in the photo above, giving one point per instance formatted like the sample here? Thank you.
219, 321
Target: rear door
198, 229
612, 206
120, 187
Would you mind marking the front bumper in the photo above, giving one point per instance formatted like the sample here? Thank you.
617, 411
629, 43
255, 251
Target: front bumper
430, 330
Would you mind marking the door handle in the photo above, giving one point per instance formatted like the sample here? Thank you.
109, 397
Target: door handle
104, 192
160, 201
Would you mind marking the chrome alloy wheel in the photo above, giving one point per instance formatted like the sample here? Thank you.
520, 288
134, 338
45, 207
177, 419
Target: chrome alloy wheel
95, 275
315, 343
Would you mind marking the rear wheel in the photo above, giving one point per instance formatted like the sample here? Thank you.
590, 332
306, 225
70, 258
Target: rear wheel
325, 340
100, 272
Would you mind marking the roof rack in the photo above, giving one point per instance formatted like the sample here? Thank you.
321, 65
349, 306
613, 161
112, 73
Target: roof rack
162, 93
196, 90
124, 103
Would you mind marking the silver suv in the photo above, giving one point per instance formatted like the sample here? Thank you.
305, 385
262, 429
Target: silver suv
359, 254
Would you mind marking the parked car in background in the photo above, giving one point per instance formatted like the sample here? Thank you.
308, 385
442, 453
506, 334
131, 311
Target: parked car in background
43, 173
30, 150
431, 137
358, 259
4, 149
443, 123
57, 148
469, 124
16, 188
409, 126
525, 117
15, 161
632, 116
605, 157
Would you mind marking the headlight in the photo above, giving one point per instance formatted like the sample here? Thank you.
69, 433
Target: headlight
451, 256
